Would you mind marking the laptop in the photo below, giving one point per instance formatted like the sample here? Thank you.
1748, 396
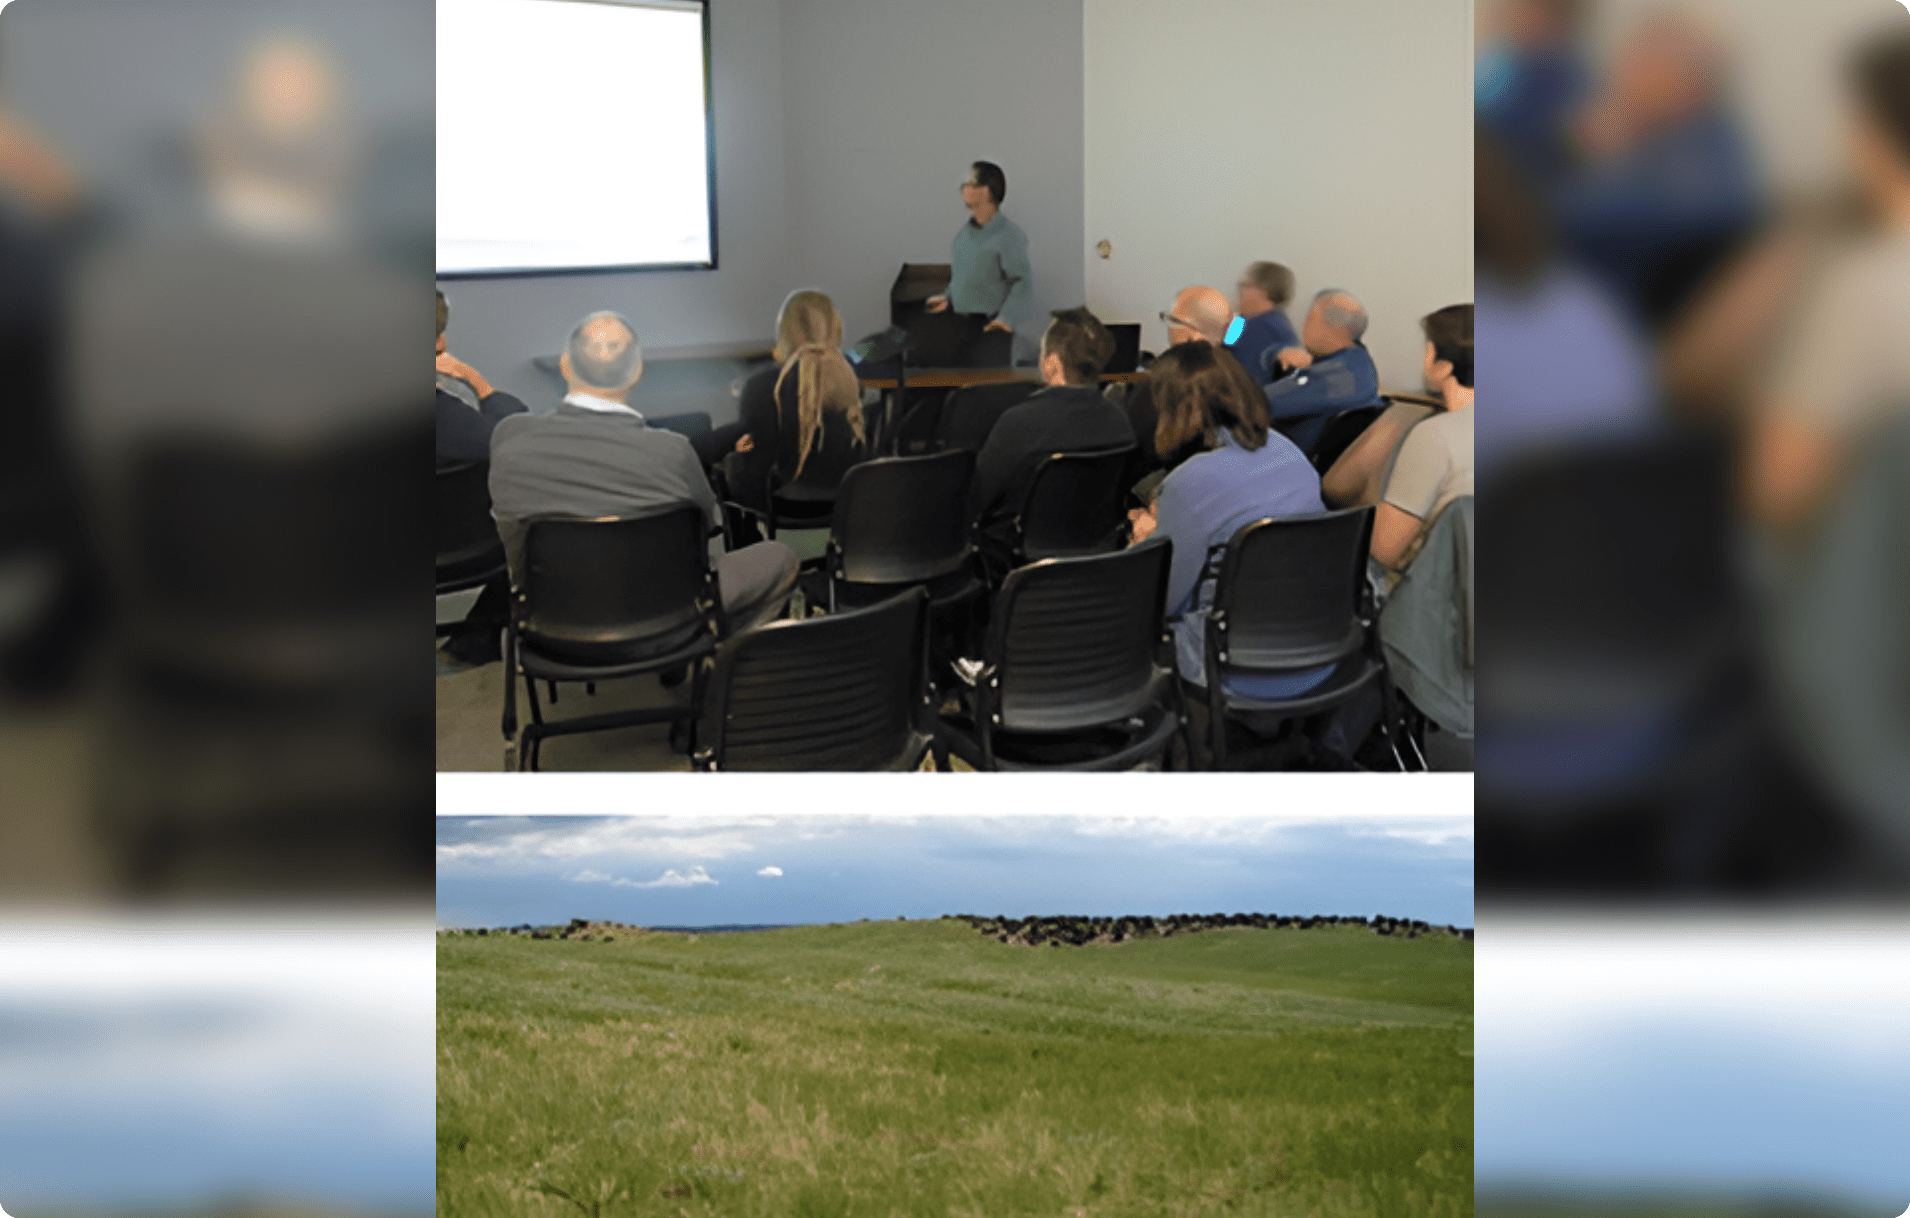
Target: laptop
1127, 347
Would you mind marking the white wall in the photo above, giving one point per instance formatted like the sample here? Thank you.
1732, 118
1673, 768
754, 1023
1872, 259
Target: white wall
842, 130
1334, 137
500, 324
889, 102
1787, 72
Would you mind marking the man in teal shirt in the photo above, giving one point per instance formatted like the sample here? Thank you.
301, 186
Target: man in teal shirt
990, 280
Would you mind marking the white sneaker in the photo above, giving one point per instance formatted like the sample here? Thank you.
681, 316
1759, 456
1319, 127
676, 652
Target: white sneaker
969, 671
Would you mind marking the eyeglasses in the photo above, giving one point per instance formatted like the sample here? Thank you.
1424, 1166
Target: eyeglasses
1168, 317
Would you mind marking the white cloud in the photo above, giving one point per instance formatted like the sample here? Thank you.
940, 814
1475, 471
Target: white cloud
671, 878
1838, 987
532, 842
771, 871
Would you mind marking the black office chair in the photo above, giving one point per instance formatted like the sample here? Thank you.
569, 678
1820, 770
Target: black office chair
843, 692
972, 411
606, 598
786, 507
469, 554
1073, 675
1291, 596
249, 566
1073, 505
1340, 432
902, 521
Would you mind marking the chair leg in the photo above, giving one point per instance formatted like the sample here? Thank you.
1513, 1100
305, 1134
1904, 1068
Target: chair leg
1217, 725
699, 680
553, 692
590, 689
1390, 721
510, 691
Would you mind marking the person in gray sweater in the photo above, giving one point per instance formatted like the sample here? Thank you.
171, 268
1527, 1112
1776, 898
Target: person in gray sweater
595, 456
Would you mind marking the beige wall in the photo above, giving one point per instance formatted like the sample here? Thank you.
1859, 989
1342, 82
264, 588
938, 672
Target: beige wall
1332, 135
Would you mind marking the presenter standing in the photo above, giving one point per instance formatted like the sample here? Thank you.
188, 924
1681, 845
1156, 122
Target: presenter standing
990, 280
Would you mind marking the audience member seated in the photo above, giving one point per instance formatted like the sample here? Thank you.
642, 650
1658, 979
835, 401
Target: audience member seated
1358, 478
468, 408
802, 415
1843, 378
595, 456
1069, 415
1200, 314
1667, 188
1329, 372
1264, 290
1244, 472
1434, 466
1569, 366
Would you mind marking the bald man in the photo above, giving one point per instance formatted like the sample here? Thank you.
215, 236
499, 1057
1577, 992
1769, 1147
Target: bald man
595, 456
1329, 372
1200, 314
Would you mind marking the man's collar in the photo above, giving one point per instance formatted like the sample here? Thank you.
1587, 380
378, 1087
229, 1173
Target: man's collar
600, 405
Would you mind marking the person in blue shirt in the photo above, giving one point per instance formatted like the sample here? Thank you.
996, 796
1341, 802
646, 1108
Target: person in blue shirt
1247, 472
1529, 79
1668, 187
1329, 372
1263, 292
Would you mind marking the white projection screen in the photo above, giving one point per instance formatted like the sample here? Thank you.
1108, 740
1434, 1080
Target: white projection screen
573, 135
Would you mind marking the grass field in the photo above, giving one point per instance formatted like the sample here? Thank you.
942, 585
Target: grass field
918, 1068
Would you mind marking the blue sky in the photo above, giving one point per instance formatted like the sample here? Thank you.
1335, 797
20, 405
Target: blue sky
1721, 1054
155, 1064
666, 871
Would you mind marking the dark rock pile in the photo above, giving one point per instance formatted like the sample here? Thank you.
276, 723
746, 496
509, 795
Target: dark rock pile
1061, 931
581, 929
1080, 931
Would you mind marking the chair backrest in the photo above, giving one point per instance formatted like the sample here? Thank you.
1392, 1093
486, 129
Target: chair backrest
972, 411
610, 589
1288, 593
843, 692
1073, 502
463, 526
1340, 432
1618, 552
1073, 641
901, 520
219, 529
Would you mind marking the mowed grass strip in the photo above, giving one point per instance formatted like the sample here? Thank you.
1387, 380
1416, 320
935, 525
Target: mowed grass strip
920, 1069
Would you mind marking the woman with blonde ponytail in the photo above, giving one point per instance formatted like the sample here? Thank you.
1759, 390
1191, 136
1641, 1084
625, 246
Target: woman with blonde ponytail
802, 416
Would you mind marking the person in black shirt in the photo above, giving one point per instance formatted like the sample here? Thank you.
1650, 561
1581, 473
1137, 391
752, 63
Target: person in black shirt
1068, 415
468, 407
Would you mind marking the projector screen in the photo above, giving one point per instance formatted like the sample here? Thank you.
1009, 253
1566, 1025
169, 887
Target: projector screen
573, 135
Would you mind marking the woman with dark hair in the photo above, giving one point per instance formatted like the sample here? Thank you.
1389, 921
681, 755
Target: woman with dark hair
802, 415
1244, 471
990, 279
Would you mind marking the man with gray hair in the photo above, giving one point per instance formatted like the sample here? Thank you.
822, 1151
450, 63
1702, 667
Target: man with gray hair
1329, 372
595, 456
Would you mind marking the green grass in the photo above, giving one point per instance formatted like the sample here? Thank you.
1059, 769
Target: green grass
921, 1069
